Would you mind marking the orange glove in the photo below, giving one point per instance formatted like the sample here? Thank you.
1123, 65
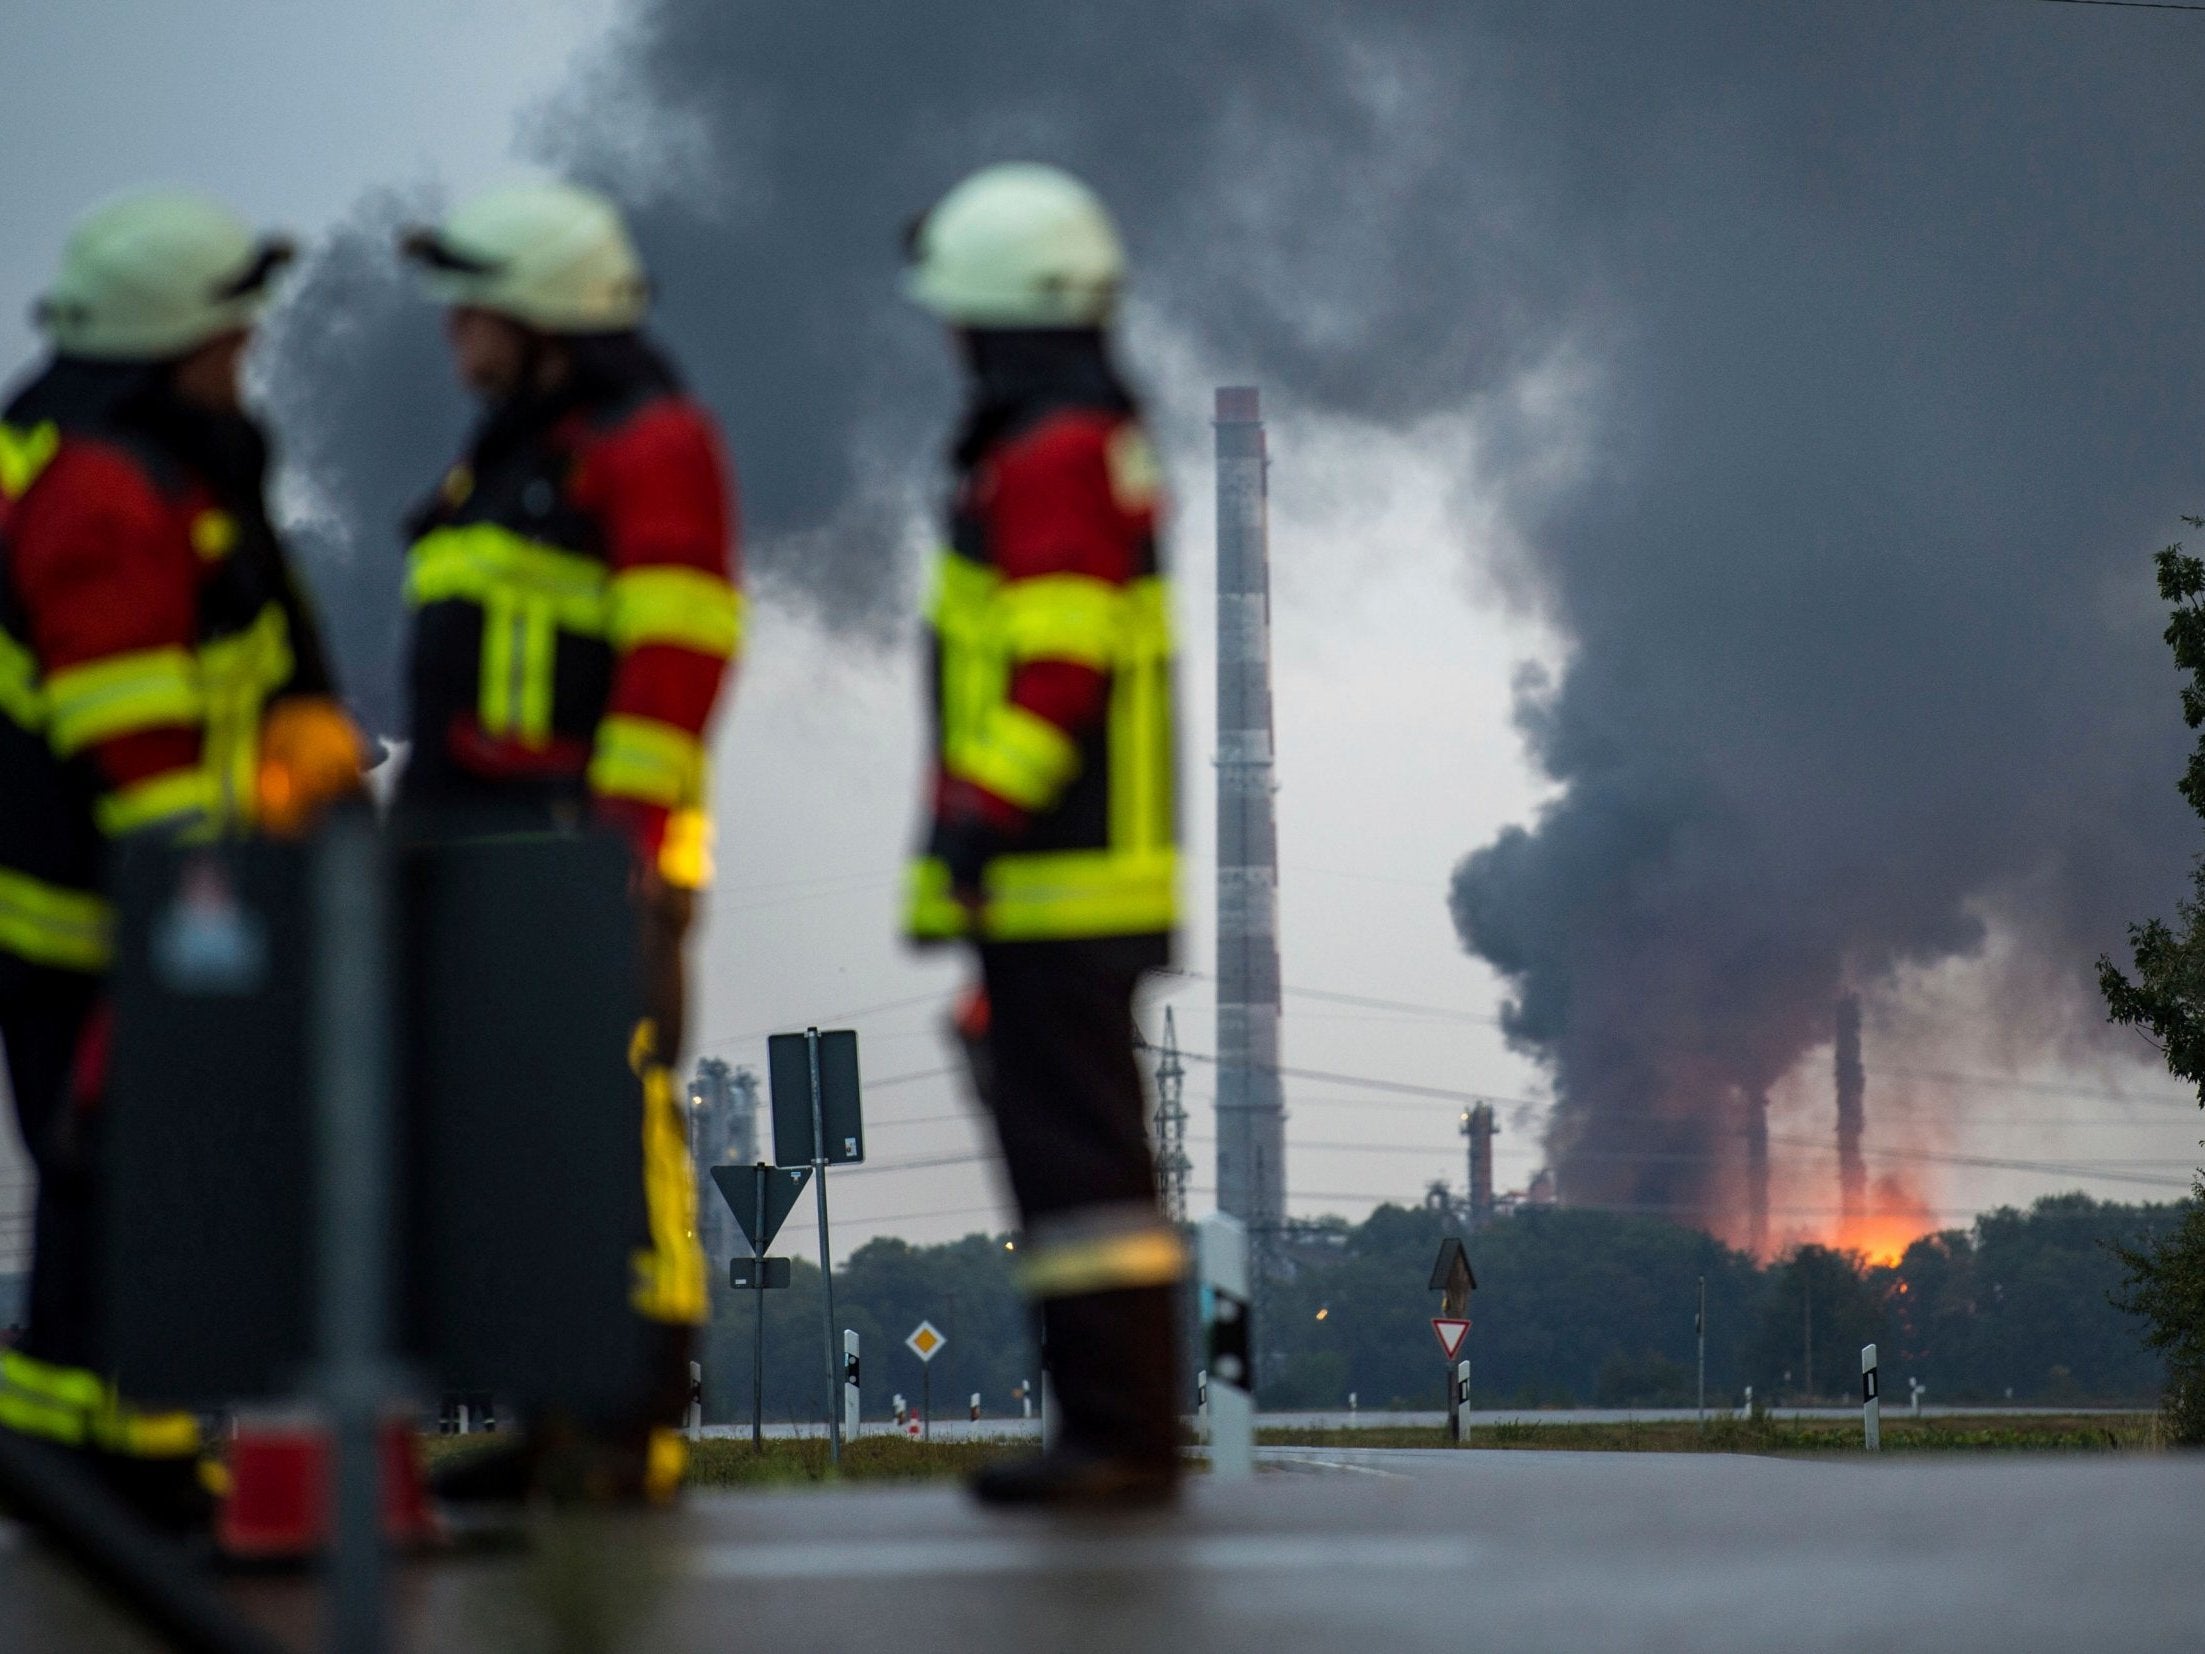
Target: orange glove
310, 757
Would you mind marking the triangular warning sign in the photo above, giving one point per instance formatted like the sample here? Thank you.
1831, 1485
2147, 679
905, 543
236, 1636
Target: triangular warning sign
1450, 1331
761, 1198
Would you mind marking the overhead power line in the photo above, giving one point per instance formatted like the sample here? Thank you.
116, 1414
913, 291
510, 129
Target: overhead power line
1923, 1076
2127, 5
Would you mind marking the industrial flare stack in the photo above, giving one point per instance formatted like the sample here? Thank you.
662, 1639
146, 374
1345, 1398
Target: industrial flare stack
1757, 1172
1251, 1108
1479, 1129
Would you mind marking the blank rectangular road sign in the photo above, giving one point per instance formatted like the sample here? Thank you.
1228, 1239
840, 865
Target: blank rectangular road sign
788, 1066
743, 1272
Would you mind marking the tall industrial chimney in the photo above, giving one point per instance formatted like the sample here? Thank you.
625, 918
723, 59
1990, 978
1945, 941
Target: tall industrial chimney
1852, 1085
1251, 1108
1757, 1173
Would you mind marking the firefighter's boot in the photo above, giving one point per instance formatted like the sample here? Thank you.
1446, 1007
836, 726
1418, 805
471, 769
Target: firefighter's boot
1113, 1360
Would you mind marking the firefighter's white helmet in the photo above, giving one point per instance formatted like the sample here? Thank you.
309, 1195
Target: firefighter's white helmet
1017, 245
553, 256
152, 276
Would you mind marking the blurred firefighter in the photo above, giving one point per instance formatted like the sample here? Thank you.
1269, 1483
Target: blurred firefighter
1051, 841
572, 582
160, 674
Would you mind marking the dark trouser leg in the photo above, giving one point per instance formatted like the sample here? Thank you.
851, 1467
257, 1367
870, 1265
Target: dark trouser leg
41, 1025
1099, 1257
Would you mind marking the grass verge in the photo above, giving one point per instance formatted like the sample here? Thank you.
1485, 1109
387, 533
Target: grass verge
803, 1462
2096, 1432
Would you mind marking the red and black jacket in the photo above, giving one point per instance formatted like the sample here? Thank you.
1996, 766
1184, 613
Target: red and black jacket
1053, 788
573, 584
148, 617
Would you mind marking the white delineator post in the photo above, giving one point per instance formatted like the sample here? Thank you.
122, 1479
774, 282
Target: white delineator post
1871, 1407
850, 1383
1222, 1248
1462, 1404
694, 1419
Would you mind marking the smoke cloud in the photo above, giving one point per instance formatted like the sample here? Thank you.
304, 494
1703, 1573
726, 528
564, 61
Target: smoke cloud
1891, 328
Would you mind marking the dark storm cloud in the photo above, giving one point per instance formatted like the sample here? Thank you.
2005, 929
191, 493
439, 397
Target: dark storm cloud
1891, 325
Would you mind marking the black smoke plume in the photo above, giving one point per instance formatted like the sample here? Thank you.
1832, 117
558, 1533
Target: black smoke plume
1886, 323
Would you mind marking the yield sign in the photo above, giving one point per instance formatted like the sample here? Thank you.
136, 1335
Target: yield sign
760, 1192
1450, 1332
925, 1342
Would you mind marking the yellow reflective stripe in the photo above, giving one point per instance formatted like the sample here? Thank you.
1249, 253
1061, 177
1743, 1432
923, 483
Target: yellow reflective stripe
1017, 755
27, 1417
539, 640
1102, 1263
150, 689
1052, 895
529, 593
38, 1398
494, 696
183, 800
665, 1462
1142, 785
19, 693
24, 454
121, 1428
669, 1274
237, 674
685, 853
50, 1382
481, 560
1071, 617
53, 924
687, 608
962, 593
643, 759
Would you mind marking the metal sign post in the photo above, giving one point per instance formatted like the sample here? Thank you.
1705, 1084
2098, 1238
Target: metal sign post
826, 1258
1222, 1246
1452, 1279
761, 1197
1871, 1405
816, 1119
1699, 1332
926, 1342
758, 1325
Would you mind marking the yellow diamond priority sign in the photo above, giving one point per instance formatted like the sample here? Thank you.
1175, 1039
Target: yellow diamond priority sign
925, 1342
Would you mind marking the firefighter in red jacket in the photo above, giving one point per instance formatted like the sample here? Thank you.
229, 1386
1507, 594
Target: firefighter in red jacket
1051, 839
575, 611
159, 674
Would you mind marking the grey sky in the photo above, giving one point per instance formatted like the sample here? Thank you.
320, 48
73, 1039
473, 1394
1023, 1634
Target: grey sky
1397, 651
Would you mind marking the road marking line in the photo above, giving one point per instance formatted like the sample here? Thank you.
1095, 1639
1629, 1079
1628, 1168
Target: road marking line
846, 1558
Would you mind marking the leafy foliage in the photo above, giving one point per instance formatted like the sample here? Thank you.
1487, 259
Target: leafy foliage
2166, 999
2166, 1280
2166, 1286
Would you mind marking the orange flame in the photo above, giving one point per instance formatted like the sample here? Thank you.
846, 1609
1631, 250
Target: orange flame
1897, 1216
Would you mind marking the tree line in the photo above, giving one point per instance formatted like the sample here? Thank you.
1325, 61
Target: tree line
1573, 1308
